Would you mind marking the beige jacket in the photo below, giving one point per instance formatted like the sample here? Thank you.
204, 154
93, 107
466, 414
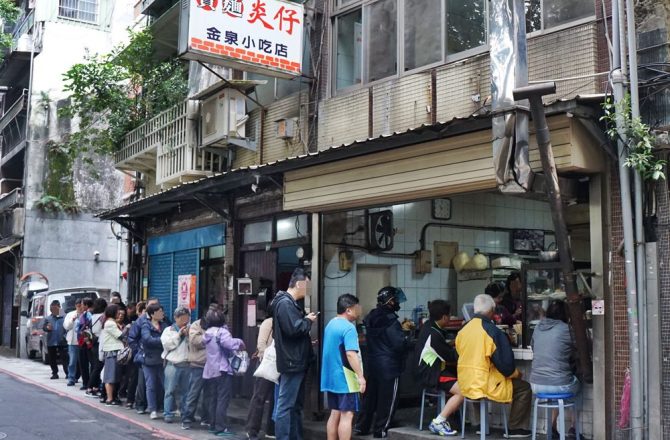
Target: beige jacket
175, 348
264, 337
196, 345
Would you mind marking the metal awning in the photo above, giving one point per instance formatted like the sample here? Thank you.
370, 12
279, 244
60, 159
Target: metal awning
221, 183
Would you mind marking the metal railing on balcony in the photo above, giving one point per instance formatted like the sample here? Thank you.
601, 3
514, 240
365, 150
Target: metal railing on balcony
166, 144
23, 26
13, 124
11, 200
166, 129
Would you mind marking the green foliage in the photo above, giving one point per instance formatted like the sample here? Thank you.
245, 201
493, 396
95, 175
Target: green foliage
637, 139
9, 13
58, 186
114, 93
110, 95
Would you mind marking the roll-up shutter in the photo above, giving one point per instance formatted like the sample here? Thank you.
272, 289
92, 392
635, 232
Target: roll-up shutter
160, 279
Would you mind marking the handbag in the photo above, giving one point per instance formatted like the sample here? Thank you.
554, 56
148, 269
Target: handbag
268, 367
239, 362
124, 356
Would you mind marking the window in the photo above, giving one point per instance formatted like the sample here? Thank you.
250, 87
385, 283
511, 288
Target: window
260, 232
423, 22
373, 36
382, 39
83, 10
466, 25
545, 14
292, 227
349, 49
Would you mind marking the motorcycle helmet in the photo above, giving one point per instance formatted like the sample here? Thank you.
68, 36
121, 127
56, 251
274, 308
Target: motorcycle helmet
386, 294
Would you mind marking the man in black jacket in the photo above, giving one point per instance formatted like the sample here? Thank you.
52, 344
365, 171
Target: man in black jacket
386, 346
435, 361
293, 344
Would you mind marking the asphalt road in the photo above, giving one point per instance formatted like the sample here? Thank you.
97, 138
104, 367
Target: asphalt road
28, 412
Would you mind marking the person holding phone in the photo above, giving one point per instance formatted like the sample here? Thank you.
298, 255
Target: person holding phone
291, 330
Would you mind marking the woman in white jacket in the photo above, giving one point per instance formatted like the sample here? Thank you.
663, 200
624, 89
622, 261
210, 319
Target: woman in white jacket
110, 340
177, 368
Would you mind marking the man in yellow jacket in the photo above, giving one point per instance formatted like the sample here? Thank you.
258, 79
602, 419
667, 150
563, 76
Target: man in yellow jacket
486, 367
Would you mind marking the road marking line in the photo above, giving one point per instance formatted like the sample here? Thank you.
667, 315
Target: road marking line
146, 426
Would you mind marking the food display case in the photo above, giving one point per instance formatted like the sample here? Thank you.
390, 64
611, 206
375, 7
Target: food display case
543, 283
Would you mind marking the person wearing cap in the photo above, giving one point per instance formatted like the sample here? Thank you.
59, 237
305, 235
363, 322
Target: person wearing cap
56, 344
386, 346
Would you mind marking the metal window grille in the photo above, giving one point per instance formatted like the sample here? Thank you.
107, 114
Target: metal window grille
82, 10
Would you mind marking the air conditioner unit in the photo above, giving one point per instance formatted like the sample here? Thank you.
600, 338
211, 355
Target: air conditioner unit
222, 117
18, 216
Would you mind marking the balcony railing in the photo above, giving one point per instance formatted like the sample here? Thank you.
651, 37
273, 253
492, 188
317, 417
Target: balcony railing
13, 125
23, 27
165, 147
11, 200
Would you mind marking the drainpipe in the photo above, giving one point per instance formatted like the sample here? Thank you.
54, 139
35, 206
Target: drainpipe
627, 220
640, 251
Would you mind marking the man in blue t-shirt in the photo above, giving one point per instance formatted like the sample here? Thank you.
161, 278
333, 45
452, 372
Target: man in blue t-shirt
342, 370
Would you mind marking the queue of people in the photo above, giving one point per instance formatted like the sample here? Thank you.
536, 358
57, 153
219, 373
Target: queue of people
175, 365
160, 367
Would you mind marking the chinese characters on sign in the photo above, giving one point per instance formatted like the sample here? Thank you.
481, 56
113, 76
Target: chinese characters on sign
186, 291
260, 34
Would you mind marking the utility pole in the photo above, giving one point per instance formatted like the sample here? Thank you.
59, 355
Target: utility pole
534, 95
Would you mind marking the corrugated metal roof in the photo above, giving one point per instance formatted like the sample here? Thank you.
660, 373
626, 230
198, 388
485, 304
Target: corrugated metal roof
297, 160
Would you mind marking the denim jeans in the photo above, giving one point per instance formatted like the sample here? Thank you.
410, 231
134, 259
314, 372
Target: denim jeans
154, 379
176, 385
73, 360
288, 420
573, 387
195, 383
141, 390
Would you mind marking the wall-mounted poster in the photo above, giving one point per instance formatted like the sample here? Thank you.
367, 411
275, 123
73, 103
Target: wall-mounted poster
186, 291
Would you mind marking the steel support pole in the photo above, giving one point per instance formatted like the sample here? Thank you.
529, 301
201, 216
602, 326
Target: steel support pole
534, 94
640, 242
618, 76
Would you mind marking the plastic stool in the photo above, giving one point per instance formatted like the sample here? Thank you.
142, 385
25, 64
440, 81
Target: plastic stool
441, 401
483, 419
558, 401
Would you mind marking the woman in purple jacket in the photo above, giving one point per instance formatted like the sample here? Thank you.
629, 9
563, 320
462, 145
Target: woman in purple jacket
218, 373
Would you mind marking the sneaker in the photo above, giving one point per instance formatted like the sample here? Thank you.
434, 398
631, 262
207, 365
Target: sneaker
380, 434
109, 403
441, 428
154, 415
227, 432
83, 387
204, 424
518, 433
70, 383
117, 402
270, 436
185, 425
54, 376
168, 419
141, 411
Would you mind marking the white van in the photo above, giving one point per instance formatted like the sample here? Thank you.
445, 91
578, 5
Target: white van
39, 308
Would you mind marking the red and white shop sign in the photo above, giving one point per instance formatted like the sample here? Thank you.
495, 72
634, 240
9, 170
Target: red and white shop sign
264, 36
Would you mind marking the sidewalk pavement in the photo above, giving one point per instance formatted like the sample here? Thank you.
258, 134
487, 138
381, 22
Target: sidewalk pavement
37, 374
